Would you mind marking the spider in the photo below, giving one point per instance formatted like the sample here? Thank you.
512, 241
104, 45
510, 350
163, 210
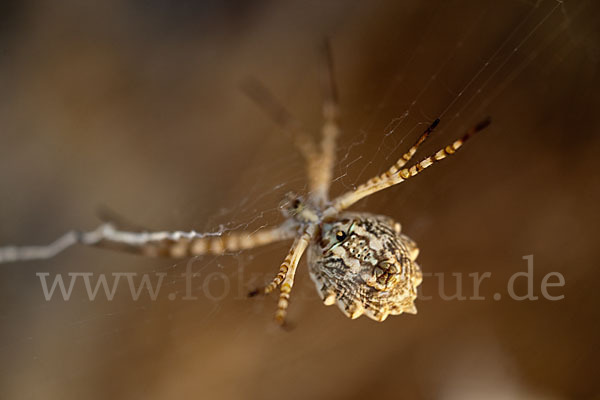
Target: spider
360, 261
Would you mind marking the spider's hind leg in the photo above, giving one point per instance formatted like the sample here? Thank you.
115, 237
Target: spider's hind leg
287, 272
286, 287
397, 174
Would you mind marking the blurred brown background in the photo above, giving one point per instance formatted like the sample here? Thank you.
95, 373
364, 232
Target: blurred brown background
135, 105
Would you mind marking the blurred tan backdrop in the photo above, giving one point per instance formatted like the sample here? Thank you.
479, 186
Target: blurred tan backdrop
135, 105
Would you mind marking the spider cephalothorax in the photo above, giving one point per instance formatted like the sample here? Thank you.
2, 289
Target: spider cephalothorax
359, 261
362, 263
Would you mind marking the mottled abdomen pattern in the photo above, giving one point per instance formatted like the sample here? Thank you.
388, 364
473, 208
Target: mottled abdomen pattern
365, 265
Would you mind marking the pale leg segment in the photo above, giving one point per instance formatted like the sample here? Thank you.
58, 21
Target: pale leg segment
175, 244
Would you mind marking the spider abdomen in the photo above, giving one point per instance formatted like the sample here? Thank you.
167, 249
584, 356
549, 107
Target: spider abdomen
362, 263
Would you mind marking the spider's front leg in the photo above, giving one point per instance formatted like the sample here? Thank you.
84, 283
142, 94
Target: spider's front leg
322, 171
280, 115
320, 158
177, 244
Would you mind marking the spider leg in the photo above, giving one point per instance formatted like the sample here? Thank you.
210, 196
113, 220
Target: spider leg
276, 281
291, 262
281, 274
257, 92
406, 157
286, 274
323, 172
175, 244
24, 253
394, 175
110, 216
